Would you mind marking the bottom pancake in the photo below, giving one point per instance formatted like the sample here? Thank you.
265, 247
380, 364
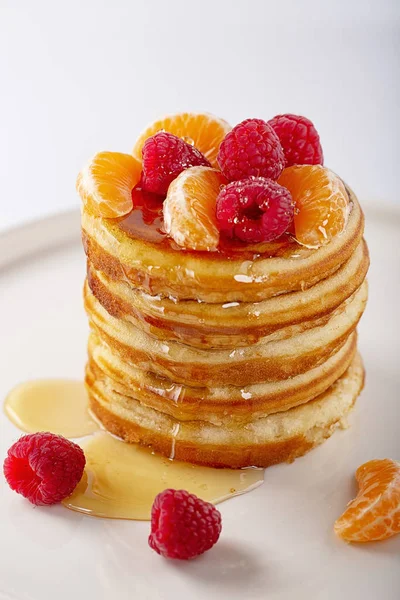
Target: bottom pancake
261, 442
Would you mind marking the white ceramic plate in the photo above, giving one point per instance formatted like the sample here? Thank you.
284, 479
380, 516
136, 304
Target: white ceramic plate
277, 541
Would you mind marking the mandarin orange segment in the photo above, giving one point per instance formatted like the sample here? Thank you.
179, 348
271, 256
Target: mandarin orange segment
375, 512
189, 209
321, 200
205, 131
106, 182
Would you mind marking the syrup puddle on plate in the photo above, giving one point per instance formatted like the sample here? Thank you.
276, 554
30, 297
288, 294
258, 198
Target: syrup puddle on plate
120, 480
56, 405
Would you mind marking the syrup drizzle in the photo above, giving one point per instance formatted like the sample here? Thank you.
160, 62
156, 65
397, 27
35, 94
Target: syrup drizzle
145, 222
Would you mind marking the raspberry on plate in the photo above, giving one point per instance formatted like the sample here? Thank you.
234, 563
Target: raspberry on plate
252, 148
182, 525
43, 467
254, 210
165, 156
299, 140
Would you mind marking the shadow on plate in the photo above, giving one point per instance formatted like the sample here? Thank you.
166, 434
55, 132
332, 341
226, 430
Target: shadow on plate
227, 565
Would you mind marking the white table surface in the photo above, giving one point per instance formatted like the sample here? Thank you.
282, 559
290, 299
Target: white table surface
82, 76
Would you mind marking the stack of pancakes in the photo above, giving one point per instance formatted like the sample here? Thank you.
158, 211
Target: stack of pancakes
235, 358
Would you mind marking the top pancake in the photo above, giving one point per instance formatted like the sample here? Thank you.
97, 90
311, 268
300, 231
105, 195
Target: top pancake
241, 273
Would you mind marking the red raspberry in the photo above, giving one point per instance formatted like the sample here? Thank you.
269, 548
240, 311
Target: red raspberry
164, 157
252, 148
182, 525
299, 139
43, 467
254, 210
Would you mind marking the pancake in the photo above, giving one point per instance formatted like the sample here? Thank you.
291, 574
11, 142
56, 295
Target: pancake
268, 360
219, 405
229, 324
260, 442
240, 273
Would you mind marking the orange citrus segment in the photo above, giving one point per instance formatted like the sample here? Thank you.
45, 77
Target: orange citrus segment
106, 182
375, 513
189, 209
321, 200
205, 131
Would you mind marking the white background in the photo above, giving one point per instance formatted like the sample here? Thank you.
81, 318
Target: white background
82, 76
